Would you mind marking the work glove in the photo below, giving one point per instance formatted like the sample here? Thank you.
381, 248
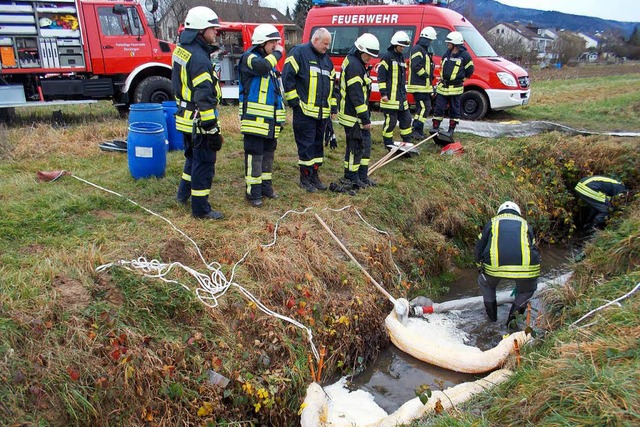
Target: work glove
331, 142
215, 141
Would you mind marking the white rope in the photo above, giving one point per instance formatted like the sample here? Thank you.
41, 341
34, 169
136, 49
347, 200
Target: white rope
614, 302
210, 287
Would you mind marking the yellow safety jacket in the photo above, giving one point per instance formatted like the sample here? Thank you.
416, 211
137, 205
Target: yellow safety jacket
392, 81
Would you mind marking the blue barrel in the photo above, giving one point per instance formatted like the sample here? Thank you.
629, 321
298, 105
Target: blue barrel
176, 140
146, 150
149, 112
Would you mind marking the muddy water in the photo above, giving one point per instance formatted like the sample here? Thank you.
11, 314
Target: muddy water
394, 376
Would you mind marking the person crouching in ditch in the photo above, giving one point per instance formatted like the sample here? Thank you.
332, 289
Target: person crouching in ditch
507, 249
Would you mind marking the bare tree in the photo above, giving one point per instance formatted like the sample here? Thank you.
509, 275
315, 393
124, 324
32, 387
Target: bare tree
513, 48
568, 46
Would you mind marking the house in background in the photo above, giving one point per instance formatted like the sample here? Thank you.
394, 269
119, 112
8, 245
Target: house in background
533, 38
239, 11
591, 44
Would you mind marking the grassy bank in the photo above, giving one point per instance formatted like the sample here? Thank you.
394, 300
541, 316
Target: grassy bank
78, 347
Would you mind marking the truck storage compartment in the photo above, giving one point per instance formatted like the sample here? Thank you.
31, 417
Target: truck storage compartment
17, 19
71, 61
87, 88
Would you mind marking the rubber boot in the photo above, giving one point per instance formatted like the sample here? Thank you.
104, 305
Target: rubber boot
363, 173
305, 179
436, 126
492, 310
452, 127
388, 142
511, 320
354, 179
315, 179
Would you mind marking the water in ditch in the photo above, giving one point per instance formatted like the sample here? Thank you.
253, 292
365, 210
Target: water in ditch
394, 376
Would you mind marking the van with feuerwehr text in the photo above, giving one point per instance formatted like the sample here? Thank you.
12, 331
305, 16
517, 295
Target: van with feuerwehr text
496, 83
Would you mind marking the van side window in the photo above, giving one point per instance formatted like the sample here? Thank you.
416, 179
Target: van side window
342, 37
438, 46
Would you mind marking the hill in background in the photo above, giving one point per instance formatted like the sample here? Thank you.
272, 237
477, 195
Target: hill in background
491, 11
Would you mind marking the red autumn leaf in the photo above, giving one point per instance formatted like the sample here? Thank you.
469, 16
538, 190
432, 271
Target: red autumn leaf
306, 293
291, 302
115, 354
301, 311
216, 363
73, 373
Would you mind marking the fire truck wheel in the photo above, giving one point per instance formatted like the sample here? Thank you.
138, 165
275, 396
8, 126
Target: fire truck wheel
153, 89
473, 105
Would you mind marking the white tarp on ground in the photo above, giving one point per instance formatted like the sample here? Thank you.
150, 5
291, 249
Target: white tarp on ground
521, 129
336, 406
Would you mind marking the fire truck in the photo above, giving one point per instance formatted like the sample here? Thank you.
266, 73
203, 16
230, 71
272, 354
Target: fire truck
81, 50
496, 83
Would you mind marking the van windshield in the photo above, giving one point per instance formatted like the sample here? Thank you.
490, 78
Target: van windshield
476, 42
342, 37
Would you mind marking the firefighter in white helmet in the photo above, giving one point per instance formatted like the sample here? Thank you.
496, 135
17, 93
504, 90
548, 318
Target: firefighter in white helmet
353, 111
197, 94
421, 69
506, 249
392, 83
456, 67
262, 112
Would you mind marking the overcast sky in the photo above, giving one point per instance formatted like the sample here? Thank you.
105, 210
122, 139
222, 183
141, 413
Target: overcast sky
619, 10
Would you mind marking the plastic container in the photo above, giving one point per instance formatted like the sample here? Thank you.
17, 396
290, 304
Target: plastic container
176, 139
149, 112
146, 150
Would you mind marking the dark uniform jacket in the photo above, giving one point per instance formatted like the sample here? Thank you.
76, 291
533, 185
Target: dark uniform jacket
600, 188
506, 248
355, 87
392, 80
195, 85
261, 103
308, 79
455, 68
421, 68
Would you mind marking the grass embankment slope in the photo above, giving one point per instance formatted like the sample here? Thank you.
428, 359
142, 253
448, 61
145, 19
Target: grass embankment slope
79, 347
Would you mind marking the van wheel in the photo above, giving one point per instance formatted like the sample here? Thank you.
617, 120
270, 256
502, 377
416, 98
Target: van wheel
156, 89
474, 105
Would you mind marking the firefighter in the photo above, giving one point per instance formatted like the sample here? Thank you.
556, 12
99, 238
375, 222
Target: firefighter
599, 192
421, 68
392, 84
456, 66
197, 94
353, 109
308, 78
262, 111
506, 249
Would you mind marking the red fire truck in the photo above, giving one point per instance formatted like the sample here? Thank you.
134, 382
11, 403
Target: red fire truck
496, 83
81, 50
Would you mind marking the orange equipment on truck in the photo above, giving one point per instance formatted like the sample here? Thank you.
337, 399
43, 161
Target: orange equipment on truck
496, 83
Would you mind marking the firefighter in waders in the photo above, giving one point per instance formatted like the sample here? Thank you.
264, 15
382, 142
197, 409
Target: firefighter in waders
197, 93
599, 192
506, 249
353, 110
392, 84
421, 68
308, 78
262, 111
456, 67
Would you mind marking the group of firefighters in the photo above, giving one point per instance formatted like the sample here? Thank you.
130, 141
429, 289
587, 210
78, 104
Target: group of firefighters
506, 248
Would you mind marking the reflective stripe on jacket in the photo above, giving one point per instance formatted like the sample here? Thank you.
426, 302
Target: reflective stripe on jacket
506, 248
392, 80
600, 188
261, 103
308, 79
355, 86
195, 85
420, 69
455, 68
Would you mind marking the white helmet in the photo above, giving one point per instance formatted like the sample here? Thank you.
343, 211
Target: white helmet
428, 33
45, 22
201, 18
455, 38
509, 205
264, 33
401, 39
368, 43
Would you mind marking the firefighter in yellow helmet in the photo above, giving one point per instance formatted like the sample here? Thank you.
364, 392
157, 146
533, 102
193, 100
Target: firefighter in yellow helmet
197, 93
